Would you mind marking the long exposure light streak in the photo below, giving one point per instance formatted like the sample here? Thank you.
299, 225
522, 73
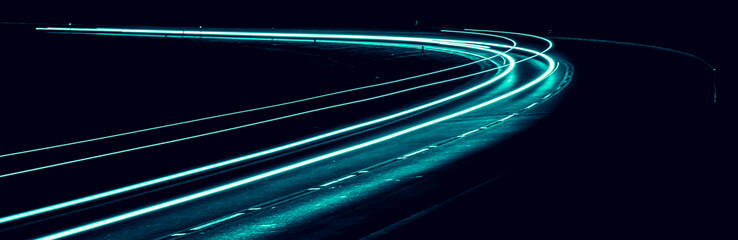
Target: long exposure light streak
257, 108
471, 31
238, 112
93, 225
246, 125
254, 123
276, 149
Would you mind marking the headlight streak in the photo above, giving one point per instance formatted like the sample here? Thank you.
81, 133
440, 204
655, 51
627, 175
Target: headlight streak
250, 124
245, 125
253, 109
166, 204
469, 31
264, 152
252, 34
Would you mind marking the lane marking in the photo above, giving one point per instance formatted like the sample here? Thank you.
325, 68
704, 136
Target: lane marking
531, 105
216, 222
414, 153
469, 132
508, 117
337, 180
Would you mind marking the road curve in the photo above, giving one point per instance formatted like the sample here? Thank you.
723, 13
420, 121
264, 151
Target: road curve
511, 81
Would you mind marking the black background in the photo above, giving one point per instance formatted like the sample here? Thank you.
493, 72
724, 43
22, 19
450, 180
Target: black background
701, 28
680, 168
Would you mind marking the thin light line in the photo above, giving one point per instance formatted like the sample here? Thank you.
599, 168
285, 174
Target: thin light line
254, 155
247, 125
241, 126
299, 164
253, 109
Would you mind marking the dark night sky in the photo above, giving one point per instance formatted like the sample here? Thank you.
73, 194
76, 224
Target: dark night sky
701, 28
570, 18
691, 26
697, 27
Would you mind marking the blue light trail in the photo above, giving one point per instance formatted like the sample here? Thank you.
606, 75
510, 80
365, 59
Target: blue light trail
140, 185
544, 75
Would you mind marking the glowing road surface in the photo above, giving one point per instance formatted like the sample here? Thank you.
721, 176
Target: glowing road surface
511, 76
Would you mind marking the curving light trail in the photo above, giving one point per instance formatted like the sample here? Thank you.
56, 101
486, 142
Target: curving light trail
544, 75
475, 45
249, 124
294, 144
257, 108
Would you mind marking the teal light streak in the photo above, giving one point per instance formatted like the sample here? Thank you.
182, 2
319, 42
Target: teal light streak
232, 113
306, 162
245, 125
255, 155
247, 34
550, 44
119, 34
